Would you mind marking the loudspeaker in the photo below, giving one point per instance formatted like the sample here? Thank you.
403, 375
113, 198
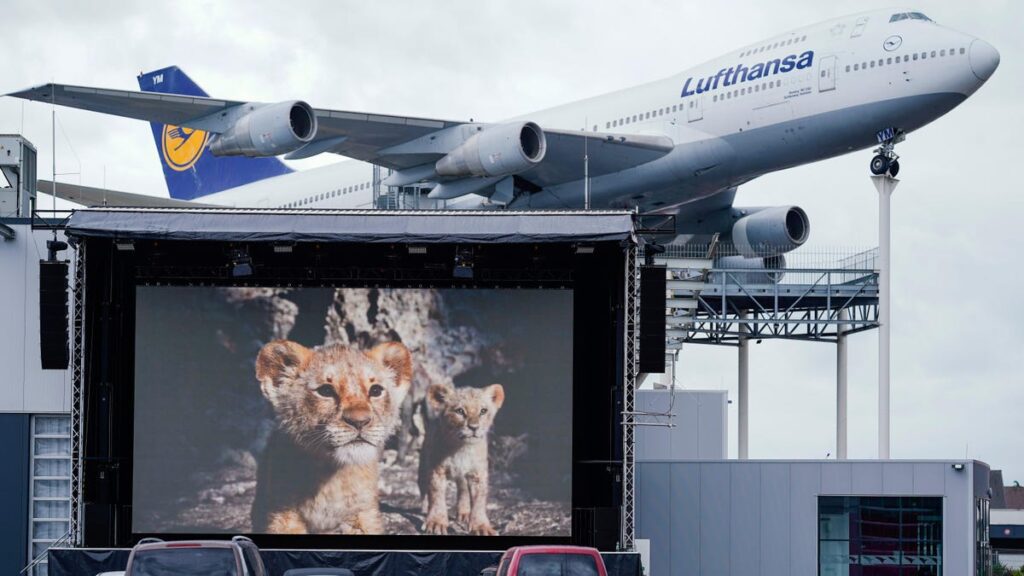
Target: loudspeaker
53, 314
652, 319
596, 527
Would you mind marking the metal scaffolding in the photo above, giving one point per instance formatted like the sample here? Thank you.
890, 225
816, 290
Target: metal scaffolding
77, 397
631, 368
710, 303
724, 300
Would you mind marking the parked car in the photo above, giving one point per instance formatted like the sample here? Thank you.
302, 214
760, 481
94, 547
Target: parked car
551, 561
235, 557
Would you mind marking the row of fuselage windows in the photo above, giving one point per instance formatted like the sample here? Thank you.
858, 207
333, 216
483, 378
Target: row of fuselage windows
781, 43
904, 58
328, 195
642, 116
728, 95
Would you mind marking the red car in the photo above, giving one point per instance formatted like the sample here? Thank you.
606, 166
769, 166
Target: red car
551, 561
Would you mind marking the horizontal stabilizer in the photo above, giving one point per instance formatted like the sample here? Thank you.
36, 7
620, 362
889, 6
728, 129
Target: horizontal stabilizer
89, 196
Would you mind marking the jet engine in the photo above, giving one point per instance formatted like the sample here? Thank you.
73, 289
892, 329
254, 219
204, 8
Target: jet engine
501, 150
268, 130
769, 270
771, 231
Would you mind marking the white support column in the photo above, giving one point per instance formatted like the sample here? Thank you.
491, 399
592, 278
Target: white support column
744, 393
885, 186
841, 389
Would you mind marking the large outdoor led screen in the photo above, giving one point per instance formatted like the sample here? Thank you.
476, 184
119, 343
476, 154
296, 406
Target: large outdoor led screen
352, 411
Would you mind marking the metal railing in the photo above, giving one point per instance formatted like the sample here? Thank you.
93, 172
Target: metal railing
715, 296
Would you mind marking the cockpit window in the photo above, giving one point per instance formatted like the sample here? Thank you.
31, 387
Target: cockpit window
909, 16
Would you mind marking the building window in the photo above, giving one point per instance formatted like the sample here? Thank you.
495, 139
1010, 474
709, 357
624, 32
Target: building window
49, 485
982, 545
868, 535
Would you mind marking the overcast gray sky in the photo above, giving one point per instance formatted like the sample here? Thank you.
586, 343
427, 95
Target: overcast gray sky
958, 322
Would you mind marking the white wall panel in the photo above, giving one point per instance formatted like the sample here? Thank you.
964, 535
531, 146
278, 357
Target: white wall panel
24, 385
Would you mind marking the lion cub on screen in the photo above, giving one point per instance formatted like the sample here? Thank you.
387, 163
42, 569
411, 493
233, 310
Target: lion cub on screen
455, 446
336, 407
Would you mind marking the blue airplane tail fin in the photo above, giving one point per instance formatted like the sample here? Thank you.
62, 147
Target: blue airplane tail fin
190, 170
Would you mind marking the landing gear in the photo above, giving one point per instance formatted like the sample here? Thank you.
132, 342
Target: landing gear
879, 165
886, 161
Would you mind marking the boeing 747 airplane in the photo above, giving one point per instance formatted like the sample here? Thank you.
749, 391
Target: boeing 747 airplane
678, 146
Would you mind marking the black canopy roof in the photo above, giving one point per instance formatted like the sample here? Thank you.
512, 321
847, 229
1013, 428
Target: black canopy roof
368, 226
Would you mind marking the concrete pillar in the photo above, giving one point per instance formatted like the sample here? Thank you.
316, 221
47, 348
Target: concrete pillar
885, 186
744, 393
841, 389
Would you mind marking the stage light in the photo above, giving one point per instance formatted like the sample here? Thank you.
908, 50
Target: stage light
463, 264
651, 252
584, 249
125, 245
283, 247
241, 269
241, 263
417, 249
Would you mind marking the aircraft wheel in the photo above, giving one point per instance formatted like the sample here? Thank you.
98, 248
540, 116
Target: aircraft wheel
894, 168
879, 165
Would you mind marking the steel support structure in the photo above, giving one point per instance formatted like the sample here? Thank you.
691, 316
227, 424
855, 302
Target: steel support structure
743, 391
884, 185
728, 309
631, 367
732, 306
77, 395
841, 387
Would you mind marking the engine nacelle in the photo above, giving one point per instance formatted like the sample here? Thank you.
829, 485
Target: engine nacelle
268, 130
501, 150
768, 270
771, 231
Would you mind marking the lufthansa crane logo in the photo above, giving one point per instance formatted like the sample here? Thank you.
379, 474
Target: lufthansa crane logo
182, 146
892, 42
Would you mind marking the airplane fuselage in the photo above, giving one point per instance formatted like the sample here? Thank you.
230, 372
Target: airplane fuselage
799, 97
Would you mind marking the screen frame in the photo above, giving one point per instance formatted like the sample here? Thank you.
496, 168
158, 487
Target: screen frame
598, 277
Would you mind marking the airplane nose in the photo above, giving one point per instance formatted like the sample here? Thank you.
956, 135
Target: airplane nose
984, 59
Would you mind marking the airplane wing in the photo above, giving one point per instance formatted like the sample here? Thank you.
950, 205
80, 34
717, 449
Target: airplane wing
395, 142
149, 106
89, 196
606, 153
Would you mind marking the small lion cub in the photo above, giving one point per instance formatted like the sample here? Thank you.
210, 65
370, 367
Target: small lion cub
455, 446
336, 408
